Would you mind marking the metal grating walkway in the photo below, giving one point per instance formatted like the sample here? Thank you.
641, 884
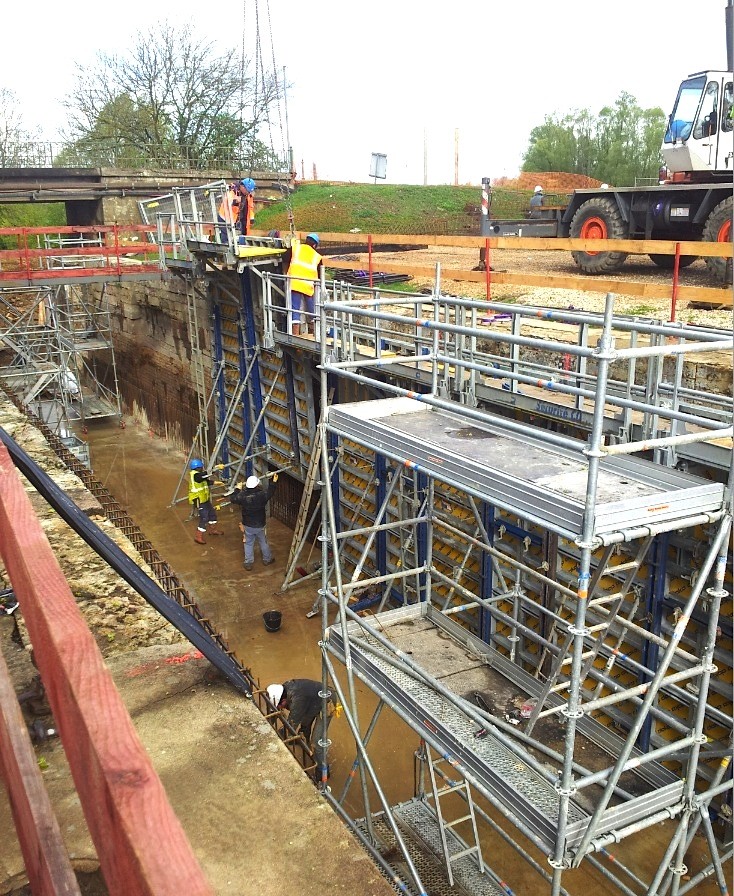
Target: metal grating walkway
490, 765
418, 822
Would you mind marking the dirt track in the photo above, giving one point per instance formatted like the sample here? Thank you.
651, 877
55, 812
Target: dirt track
638, 268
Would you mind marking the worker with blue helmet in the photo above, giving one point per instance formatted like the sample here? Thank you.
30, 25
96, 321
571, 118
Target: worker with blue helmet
246, 220
303, 264
200, 498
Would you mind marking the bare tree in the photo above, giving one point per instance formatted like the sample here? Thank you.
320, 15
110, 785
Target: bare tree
17, 146
170, 99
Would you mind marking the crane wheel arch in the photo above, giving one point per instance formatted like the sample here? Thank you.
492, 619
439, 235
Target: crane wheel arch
717, 229
598, 218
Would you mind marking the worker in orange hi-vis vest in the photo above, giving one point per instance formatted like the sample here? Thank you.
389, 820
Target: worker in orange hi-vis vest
304, 269
228, 211
246, 190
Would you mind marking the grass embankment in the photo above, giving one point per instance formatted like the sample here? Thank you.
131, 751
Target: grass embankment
382, 208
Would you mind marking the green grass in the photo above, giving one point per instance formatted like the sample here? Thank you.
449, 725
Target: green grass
379, 208
37, 214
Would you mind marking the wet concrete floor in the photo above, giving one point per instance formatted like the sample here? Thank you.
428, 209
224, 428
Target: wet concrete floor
142, 472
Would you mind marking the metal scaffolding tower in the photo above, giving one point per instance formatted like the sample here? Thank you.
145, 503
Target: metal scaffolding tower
571, 641
58, 355
541, 524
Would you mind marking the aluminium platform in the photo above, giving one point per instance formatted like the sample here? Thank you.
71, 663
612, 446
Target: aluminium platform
525, 475
464, 665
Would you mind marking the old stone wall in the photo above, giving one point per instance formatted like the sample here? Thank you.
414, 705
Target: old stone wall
119, 617
153, 355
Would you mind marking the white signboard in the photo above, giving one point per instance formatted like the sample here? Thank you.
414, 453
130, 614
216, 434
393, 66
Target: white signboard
378, 166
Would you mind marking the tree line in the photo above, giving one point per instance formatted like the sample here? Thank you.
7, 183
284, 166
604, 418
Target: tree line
619, 144
171, 100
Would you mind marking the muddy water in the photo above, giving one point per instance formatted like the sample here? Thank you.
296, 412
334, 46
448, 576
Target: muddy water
142, 473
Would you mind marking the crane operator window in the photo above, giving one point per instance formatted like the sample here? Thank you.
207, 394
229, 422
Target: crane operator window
707, 122
684, 112
727, 111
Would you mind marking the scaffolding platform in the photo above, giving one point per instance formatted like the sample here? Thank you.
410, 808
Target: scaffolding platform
464, 665
521, 474
418, 821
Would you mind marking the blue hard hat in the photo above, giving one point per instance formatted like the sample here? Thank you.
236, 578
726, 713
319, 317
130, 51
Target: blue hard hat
314, 237
197, 464
249, 184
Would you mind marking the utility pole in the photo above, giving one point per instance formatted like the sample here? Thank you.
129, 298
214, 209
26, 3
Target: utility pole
425, 157
456, 157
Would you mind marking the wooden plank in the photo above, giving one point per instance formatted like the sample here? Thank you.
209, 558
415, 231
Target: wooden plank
541, 244
46, 861
710, 295
142, 848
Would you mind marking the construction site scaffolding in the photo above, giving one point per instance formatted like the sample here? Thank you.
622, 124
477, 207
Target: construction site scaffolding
599, 496
59, 358
583, 639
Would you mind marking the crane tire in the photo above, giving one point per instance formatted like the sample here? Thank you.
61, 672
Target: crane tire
667, 262
598, 218
717, 229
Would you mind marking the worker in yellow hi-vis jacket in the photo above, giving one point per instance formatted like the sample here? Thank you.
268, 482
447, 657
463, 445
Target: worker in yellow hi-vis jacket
304, 269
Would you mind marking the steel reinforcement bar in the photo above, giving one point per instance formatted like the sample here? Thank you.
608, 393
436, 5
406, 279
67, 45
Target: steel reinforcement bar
171, 585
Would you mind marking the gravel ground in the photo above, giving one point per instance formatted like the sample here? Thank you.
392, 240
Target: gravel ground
638, 268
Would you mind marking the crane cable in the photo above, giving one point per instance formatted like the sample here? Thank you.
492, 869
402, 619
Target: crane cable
279, 158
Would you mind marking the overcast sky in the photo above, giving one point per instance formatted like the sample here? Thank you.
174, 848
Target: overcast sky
396, 76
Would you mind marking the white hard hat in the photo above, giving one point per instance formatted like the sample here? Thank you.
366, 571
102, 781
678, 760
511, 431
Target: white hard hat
274, 692
538, 189
604, 187
252, 482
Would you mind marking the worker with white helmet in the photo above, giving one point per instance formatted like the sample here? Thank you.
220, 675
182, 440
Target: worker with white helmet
536, 200
303, 699
253, 500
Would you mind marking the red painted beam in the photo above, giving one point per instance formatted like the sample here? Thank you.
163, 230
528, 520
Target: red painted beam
142, 848
46, 861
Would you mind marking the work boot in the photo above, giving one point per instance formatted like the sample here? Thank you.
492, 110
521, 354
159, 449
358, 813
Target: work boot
215, 532
199, 537
248, 565
268, 562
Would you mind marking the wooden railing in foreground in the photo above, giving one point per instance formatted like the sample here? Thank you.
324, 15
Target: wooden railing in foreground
141, 845
589, 283
48, 865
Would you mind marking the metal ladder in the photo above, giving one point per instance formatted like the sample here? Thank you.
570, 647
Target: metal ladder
440, 791
197, 365
304, 522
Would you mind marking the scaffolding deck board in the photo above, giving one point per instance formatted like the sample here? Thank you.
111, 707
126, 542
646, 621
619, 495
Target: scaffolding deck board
416, 820
493, 766
524, 475
420, 822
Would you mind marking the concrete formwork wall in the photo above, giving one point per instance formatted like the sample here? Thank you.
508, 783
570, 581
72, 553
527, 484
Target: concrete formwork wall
154, 355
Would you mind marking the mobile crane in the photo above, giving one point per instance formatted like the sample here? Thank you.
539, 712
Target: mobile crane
692, 201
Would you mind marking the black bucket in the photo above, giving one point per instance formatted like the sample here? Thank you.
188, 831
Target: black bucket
272, 620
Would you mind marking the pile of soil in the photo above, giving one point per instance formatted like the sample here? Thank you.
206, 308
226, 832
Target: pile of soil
551, 181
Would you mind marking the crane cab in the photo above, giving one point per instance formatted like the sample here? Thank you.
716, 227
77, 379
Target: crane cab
699, 140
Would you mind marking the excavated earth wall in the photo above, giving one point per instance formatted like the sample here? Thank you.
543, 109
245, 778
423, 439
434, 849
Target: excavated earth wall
253, 818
